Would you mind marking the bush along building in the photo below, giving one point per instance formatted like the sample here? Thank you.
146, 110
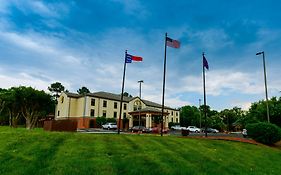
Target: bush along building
87, 107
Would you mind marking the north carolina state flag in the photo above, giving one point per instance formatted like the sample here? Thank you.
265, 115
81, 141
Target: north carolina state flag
129, 58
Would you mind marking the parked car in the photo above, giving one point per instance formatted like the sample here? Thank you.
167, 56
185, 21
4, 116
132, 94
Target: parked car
177, 127
138, 128
109, 126
157, 130
193, 129
210, 130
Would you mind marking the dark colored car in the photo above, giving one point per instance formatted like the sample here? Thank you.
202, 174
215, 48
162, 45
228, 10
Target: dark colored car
210, 130
138, 128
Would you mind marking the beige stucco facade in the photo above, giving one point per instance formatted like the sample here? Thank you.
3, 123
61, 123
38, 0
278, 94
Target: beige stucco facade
99, 104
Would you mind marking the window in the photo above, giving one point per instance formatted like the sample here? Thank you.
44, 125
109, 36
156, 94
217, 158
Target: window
125, 106
104, 103
58, 113
115, 115
176, 113
172, 119
104, 113
62, 99
124, 115
115, 105
177, 120
172, 113
92, 112
93, 101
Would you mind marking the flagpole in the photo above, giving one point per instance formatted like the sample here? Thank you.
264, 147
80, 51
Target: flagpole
123, 82
164, 77
204, 95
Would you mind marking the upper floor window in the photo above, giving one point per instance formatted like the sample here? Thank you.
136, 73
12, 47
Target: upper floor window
115, 105
62, 99
176, 113
93, 102
172, 113
104, 103
125, 106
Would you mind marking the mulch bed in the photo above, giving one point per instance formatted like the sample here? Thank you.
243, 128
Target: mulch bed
236, 139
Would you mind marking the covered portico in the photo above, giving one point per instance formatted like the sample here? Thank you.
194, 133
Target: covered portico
149, 117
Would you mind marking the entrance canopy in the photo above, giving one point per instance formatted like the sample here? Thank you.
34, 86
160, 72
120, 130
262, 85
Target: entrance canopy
148, 110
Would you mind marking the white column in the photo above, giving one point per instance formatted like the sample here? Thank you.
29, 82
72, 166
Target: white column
130, 121
150, 121
147, 120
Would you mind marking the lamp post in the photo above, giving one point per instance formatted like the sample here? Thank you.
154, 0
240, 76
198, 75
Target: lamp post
140, 82
265, 83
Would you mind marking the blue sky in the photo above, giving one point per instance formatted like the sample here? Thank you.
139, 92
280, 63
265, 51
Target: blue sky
82, 43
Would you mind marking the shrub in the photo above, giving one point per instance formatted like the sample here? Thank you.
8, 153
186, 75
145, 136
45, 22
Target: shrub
265, 133
170, 124
111, 120
100, 121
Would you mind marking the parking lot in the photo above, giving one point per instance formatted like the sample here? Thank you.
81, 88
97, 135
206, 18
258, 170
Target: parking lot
172, 133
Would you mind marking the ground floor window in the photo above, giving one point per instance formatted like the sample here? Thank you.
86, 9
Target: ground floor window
104, 113
115, 114
92, 112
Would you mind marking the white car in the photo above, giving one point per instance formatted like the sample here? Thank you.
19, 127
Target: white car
109, 126
177, 127
193, 129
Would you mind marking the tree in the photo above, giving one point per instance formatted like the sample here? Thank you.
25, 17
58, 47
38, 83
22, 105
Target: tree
126, 94
83, 90
33, 104
189, 115
12, 105
56, 88
257, 111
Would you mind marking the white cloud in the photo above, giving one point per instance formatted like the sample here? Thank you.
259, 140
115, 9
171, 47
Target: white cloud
134, 7
222, 82
44, 9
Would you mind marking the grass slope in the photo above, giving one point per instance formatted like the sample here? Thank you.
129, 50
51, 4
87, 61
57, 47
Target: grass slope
39, 152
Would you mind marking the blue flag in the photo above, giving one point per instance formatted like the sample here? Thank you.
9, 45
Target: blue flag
205, 63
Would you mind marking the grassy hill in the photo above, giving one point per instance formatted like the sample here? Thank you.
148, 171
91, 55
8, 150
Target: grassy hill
39, 152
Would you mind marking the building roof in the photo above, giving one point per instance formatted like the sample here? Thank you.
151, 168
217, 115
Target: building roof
148, 110
117, 97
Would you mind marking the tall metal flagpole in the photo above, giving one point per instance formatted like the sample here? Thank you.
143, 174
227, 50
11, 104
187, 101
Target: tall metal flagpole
200, 112
204, 95
123, 82
164, 77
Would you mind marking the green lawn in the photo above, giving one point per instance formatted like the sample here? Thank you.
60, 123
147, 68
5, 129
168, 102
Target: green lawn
39, 152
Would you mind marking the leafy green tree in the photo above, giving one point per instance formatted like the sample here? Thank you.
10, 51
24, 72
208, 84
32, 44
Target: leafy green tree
257, 111
34, 104
189, 115
126, 94
83, 90
12, 105
216, 121
56, 88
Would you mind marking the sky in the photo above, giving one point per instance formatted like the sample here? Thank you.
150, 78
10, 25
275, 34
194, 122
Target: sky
82, 43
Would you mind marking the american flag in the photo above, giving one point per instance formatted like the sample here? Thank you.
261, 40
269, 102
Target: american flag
172, 43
